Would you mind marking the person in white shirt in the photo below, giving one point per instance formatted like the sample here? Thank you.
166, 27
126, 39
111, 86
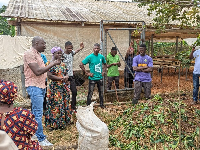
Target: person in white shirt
68, 60
196, 73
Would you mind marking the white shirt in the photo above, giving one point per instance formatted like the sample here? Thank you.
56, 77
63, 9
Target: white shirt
68, 60
196, 55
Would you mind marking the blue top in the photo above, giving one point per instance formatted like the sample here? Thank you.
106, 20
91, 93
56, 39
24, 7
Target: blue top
44, 58
95, 65
139, 61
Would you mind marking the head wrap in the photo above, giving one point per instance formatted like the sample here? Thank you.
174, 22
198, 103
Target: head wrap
8, 91
55, 49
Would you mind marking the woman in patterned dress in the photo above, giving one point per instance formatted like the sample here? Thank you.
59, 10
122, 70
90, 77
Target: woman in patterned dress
58, 113
18, 123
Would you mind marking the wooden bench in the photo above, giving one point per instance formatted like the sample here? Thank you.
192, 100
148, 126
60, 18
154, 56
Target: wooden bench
168, 61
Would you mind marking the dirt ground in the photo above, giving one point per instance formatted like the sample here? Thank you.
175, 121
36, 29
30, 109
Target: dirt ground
169, 87
171, 84
68, 139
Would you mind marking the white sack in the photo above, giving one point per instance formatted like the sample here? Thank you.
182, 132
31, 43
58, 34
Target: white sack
93, 133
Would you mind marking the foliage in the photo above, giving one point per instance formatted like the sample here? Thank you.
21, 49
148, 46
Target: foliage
197, 43
81, 102
164, 48
169, 48
168, 11
155, 124
5, 28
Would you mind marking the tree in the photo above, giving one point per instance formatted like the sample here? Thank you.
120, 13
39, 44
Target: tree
5, 28
168, 11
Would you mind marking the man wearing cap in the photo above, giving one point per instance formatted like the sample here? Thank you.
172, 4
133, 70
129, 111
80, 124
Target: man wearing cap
196, 73
113, 62
142, 65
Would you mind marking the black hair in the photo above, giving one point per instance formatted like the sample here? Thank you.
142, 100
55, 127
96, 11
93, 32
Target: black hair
143, 45
97, 44
36, 39
114, 48
68, 43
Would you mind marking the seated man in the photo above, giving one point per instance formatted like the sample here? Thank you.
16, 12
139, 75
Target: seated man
142, 65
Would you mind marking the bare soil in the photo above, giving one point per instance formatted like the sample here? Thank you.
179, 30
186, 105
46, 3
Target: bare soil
171, 86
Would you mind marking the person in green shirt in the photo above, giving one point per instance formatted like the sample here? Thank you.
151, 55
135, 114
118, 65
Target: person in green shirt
113, 62
97, 66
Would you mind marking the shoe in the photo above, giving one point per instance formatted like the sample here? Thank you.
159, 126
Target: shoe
45, 143
134, 101
194, 103
34, 138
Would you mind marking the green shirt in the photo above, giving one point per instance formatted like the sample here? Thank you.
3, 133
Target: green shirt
113, 70
95, 65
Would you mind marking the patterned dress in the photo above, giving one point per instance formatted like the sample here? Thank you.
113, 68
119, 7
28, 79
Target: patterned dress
58, 113
20, 125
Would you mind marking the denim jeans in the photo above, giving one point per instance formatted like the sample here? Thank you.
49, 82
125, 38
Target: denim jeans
195, 86
37, 99
91, 89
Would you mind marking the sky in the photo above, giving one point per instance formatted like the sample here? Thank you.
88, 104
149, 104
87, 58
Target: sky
3, 2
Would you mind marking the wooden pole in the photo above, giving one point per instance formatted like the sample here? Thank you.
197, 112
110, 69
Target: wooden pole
176, 45
152, 46
116, 92
179, 109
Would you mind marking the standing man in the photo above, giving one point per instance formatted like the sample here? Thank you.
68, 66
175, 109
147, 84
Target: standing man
196, 73
113, 62
35, 76
68, 60
142, 65
97, 66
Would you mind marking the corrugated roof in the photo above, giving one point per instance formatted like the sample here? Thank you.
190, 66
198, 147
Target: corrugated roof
89, 11
76, 10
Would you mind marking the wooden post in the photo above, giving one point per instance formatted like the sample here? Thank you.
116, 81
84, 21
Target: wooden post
23, 81
18, 27
152, 51
149, 46
176, 45
152, 46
